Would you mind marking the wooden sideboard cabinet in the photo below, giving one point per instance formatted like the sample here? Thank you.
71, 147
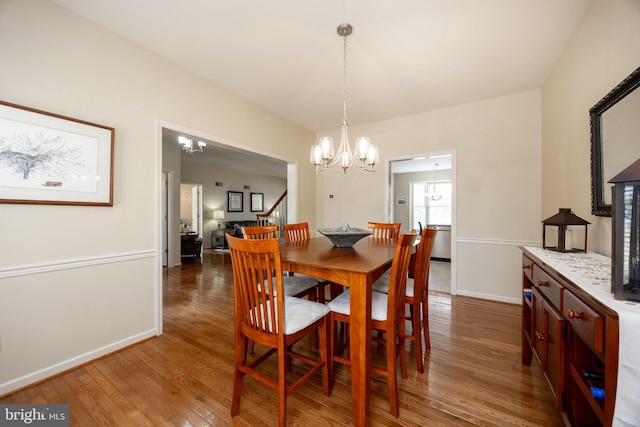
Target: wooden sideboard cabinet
574, 338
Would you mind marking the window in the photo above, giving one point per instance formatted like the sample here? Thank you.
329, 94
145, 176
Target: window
431, 203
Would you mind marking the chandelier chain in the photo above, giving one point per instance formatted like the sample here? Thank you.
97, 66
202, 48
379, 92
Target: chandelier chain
344, 80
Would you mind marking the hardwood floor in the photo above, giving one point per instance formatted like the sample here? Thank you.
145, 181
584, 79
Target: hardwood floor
473, 375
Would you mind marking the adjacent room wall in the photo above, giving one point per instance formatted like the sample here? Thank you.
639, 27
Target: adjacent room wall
216, 197
603, 51
78, 282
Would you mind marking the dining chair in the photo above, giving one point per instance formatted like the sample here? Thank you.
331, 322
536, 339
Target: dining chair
383, 230
299, 232
387, 315
261, 232
417, 294
264, 314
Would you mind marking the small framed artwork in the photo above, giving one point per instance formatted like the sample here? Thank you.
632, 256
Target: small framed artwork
235, 201
257, 202
401, 200
50, 159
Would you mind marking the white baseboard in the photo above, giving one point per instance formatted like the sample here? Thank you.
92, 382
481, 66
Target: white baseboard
489, 297
74, 362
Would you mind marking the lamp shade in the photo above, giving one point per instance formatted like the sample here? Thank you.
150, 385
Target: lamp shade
218, 214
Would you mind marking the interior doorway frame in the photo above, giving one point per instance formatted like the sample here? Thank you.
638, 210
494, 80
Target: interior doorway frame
389, 197
292, 197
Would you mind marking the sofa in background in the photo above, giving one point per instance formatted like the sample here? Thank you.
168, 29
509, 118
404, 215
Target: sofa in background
237, 226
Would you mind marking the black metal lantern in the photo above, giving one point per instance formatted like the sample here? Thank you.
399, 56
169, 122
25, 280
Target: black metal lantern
565, 232
625, 274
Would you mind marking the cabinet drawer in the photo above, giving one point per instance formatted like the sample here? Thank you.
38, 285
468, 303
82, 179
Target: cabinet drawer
585, 322
527, 267
548, 286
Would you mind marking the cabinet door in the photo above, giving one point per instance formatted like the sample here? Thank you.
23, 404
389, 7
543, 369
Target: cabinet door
554, 340
537, 338
548, 338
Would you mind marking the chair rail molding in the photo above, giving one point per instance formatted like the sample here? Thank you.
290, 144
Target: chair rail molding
67, 264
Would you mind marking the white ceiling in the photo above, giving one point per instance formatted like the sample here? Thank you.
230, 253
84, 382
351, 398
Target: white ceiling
404, 56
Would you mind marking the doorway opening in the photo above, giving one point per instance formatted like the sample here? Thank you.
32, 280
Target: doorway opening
422, 194
191, 209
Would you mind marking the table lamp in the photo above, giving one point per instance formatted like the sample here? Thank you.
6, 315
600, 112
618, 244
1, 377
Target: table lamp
218, 214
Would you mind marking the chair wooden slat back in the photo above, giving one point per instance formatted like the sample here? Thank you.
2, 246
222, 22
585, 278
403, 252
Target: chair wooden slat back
254, 264
296, 232
423, 262
383, 230
261, 232
398, 282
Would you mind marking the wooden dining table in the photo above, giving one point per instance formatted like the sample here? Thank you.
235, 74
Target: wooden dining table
357, 267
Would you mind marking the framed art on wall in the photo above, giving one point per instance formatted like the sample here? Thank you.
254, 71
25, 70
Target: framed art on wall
257, 202
235, 201
46, 158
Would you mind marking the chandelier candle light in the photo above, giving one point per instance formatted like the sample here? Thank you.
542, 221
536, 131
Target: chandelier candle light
366, 154
187, 145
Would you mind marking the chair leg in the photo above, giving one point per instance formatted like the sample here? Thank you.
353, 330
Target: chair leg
417, 337
332, 329
402, 352
283, 367
391, 374
425, 324
320, 291
240, 358
324, 355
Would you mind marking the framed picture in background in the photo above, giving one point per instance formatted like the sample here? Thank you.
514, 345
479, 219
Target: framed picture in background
257, 202
401, 200
235, 201
50, 159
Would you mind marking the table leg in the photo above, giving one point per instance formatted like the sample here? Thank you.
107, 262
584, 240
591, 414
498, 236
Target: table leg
360, 347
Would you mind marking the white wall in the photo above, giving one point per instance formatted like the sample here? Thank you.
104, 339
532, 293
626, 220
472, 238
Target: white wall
497, 152
79, 282
604, 50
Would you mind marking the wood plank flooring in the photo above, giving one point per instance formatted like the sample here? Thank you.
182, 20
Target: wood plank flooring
473, 375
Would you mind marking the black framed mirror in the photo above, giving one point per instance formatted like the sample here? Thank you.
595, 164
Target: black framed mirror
615, 139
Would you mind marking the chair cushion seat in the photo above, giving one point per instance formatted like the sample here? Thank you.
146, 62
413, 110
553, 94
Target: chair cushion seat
299, 313
294, 285
382, 285
342, 304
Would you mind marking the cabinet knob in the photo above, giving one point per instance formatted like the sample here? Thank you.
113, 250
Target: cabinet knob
541, 283
539, 336
576, 315
526, 266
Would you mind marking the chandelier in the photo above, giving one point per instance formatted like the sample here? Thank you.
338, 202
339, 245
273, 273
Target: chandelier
366, 154
187, 145
434, 197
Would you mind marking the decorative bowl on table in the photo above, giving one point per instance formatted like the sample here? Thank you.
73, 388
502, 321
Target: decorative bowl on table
344, 238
